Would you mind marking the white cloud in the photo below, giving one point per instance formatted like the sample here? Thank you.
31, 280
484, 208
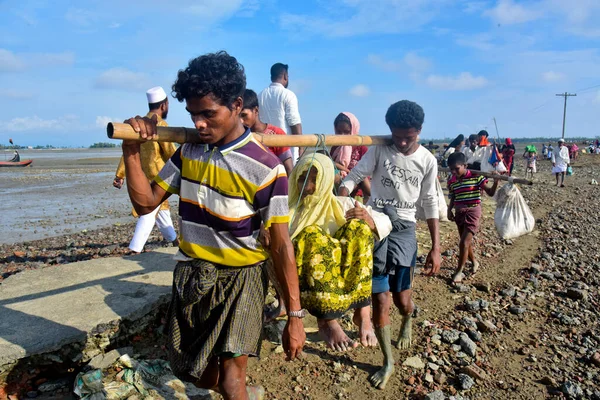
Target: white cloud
473, 7
342, 18
15, 94
464, 81
417, 63
53, 59
10, 62
507, 12
102, 121
551, 76
36, 123
360, 90
122, 79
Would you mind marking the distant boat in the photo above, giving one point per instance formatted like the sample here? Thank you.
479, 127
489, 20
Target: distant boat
23, 163
15, 161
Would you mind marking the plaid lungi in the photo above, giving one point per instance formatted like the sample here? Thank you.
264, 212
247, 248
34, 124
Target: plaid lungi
214, 310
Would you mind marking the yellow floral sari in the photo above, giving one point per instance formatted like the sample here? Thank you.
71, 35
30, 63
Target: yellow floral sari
334, 257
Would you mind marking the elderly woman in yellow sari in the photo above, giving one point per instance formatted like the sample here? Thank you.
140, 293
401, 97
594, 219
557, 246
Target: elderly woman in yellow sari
333, 241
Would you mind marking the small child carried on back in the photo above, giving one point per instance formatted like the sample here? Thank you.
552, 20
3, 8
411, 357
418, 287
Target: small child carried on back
530, 159
465, 189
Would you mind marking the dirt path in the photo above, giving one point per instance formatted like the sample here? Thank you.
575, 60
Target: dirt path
532, 340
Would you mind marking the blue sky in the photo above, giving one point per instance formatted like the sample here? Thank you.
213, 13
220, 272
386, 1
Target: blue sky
67, 68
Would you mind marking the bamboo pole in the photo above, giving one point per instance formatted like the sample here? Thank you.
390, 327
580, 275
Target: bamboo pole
190, 135
494, 176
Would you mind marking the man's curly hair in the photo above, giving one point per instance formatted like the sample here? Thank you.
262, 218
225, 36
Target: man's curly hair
405, 114
218, 74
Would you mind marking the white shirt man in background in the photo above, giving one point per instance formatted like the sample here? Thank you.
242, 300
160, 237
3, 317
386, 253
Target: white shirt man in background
560, 162
279, 106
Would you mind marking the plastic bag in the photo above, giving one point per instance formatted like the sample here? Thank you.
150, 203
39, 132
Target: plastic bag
569, 170
442, 206
89, 385
512, 218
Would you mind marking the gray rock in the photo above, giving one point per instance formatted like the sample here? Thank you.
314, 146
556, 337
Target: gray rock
103, 361
472, 306
508, 292
436, 339
483, 286
273, 331
546, 256
577, 294
468, 323
475, 335
517, 310
450, 336
467, 345
414, 362
535, 282
437, 395
547, 275
461, 288
433, 366
572, 390
465, 381
535, 269
345, 378
486, 326
51, 386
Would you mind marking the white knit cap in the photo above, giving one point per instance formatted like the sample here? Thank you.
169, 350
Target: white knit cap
156, 94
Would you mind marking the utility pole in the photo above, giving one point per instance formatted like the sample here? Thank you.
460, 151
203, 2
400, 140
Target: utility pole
565, 95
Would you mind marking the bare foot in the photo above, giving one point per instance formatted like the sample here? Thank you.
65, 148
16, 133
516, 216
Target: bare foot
405, 337
333, 334
362, 319
475, 266
255, 392
380, 378
271, 314
458, 277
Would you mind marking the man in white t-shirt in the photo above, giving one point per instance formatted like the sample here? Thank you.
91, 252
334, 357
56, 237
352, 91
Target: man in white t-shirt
279, 106
404, 175
560, 162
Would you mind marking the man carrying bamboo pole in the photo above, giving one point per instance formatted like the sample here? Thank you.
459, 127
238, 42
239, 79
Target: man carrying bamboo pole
153, 156
404, 175
228, 186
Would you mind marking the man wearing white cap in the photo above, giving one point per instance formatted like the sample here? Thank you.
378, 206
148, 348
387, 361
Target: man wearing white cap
153, 156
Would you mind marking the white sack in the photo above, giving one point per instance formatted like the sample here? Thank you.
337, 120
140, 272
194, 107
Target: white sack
513, 217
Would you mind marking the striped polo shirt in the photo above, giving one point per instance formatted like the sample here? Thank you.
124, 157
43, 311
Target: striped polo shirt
225, 194
466, 190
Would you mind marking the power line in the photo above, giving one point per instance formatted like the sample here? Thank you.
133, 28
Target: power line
565, 95
586, 89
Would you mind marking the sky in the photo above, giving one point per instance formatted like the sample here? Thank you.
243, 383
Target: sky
67, 68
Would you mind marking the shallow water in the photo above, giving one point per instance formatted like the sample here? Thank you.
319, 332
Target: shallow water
63, 191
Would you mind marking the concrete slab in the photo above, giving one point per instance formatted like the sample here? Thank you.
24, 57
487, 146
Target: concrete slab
43, 310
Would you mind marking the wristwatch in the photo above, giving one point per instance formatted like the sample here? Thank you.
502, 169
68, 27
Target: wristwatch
297, 314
